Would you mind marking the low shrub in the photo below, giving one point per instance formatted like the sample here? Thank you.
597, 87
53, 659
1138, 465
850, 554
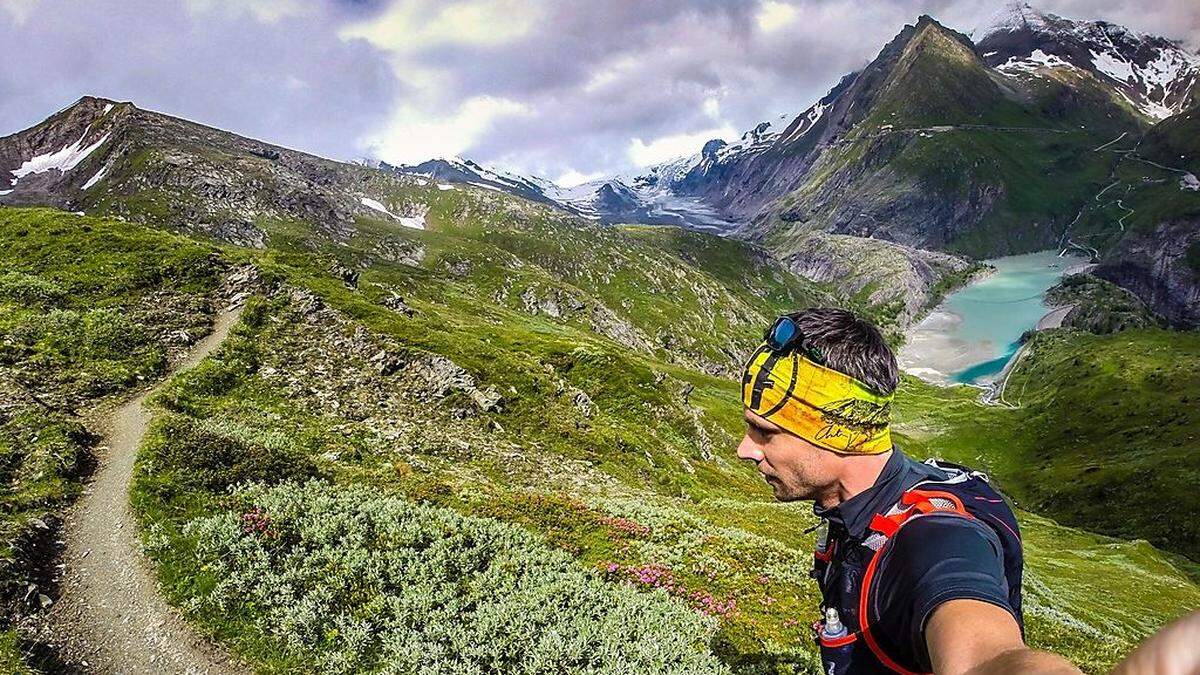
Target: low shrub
214, 454
27, 288
353, 581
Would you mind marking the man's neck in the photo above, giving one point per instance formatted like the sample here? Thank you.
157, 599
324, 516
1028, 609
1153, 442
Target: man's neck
857, 474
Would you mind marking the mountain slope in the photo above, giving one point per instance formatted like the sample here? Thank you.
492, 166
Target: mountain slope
505, 365
115, 158
936, 144
1143, 226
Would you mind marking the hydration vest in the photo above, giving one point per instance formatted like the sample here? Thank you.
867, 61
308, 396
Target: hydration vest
845, 568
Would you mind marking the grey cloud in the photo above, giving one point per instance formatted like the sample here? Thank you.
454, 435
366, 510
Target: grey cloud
297, 83
292, 81
687, 52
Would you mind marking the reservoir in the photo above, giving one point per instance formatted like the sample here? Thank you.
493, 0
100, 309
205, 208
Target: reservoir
973, 333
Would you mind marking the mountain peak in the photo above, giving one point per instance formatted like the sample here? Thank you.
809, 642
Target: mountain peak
1012, 17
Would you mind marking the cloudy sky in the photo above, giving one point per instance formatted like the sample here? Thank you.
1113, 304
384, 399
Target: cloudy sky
567, 89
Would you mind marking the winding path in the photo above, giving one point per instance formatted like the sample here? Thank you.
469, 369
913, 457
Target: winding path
110, 617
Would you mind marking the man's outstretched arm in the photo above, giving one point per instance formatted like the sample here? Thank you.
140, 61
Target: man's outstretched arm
971, 637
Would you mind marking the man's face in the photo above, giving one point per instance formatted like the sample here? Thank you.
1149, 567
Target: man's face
793, 467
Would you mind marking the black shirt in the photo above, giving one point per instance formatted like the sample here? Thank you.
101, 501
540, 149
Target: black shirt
930, 561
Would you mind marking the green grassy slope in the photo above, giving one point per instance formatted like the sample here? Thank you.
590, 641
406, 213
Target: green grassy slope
1105, 437
1143, 189
88, 308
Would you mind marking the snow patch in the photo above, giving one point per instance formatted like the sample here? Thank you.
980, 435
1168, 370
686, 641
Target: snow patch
485, 186
443, 187
95, 179
63, 160
1112, 66
416, 222
810, 119
1012, 17
1188, 182
378, 206
107, 108
1030, 64
5, 192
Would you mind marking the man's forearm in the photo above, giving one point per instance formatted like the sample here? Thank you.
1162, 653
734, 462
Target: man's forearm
1024, 660
971, 637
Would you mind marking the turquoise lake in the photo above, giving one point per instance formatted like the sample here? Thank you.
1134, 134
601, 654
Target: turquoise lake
972, 334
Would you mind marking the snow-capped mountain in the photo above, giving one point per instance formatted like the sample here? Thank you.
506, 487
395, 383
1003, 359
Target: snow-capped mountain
670, 193
1155, 75
461, 170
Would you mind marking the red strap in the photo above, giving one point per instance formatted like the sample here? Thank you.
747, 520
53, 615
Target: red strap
884, 525
838, 642
921, 503
827, 554
832, 643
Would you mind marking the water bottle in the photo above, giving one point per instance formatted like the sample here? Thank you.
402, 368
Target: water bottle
835, 649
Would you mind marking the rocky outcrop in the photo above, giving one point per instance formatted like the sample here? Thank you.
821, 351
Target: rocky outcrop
899, 280
1089, 303
1162, 267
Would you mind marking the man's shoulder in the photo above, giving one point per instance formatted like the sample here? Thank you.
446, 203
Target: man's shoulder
948, 532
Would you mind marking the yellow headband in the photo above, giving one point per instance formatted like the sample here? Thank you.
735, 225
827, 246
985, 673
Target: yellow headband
824, 407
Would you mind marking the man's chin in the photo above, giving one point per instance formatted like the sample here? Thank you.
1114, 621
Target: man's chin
782, 494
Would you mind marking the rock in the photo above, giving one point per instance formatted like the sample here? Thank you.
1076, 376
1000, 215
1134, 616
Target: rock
400, 251
1162, 267
488, 400
583, 403
458, 268
386, 363
396, 303
347, 275
442, 376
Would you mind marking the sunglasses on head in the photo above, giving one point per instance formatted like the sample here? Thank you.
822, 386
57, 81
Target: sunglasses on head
785, 335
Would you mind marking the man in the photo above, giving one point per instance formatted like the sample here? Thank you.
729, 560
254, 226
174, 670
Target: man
921, 562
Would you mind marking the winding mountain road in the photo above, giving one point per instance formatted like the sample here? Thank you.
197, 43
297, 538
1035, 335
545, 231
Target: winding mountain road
110, 617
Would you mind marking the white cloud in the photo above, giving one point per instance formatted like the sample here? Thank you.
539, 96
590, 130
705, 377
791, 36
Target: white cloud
20, 10
414, 135
678, 145
571, 178
712, 107
611, 72
409, 26
266, 11
775, 15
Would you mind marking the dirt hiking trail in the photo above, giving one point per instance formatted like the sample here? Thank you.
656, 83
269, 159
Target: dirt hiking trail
110, 617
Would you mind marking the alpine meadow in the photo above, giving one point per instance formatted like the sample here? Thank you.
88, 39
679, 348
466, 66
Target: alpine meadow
264, 411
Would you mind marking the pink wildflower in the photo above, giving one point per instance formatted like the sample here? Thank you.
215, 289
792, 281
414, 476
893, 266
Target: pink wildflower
625, 525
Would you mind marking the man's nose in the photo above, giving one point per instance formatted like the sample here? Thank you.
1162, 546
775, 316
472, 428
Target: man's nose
748, 449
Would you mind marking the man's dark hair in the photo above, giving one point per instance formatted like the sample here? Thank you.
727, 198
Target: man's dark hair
850, 345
